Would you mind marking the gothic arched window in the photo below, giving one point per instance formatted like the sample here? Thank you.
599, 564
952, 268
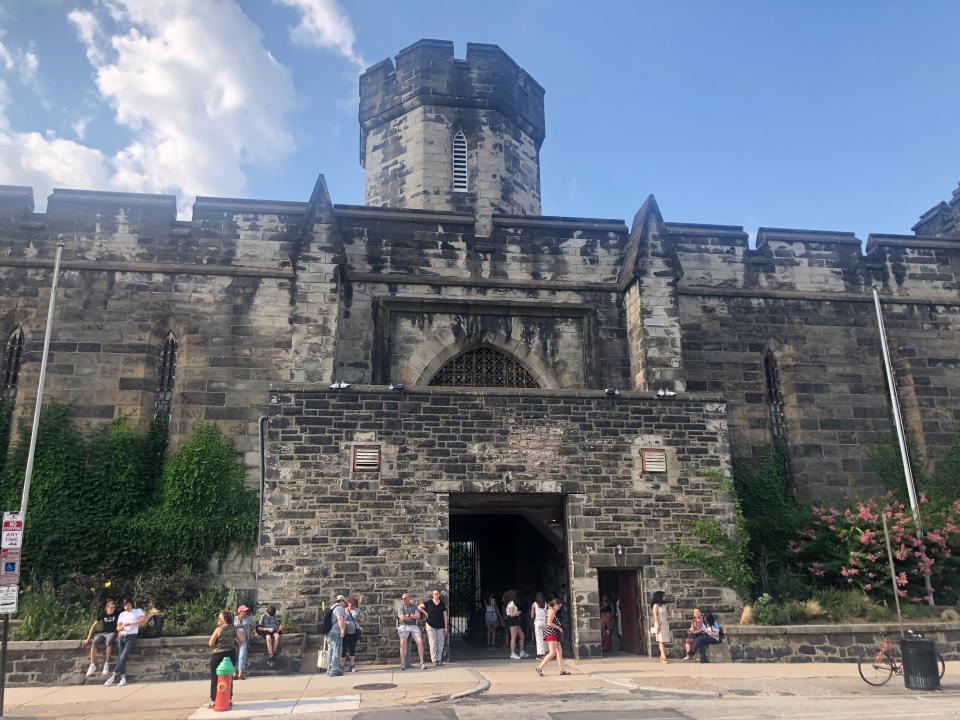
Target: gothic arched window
460, 162
484, 367
166, 378
774, 399
10, 369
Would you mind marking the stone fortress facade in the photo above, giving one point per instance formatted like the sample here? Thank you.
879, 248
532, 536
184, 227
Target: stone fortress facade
584, 379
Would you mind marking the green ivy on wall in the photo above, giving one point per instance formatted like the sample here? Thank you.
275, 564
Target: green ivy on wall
110, 499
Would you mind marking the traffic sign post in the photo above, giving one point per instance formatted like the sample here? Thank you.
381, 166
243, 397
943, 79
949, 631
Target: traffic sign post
11, 534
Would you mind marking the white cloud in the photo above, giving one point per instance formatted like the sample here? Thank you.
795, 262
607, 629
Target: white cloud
24, 62
201, 96
323, 24
91, 34
46, 161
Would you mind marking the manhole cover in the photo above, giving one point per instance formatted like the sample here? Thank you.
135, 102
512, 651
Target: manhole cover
375, 686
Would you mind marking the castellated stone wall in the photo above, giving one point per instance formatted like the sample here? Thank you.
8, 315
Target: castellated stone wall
247, 287
806, 297
328, 530
420, 287
409, 114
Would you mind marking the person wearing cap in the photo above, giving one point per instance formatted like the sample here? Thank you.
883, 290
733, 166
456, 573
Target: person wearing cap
335, 637
246, 626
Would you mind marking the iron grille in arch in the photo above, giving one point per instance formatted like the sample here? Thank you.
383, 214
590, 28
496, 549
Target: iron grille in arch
484, 367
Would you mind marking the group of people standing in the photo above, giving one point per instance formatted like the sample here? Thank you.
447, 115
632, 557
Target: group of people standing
546, 616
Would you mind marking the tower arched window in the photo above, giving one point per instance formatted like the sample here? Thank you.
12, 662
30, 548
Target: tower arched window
778, 426
10, 370
484, 367
460, 182
166, 378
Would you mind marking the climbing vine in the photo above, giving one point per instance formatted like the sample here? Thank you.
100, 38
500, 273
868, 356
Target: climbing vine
112, 499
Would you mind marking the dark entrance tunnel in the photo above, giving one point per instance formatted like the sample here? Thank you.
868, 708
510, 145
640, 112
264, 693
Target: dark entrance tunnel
500, 542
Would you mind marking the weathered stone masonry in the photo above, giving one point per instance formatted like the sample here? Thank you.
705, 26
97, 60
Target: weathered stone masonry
330, 531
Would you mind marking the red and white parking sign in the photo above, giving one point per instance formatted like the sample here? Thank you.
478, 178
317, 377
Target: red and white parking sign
12, 532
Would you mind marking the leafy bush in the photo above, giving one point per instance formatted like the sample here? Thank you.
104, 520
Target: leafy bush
43, 617
199, 615
719, 555
153, 589
845, 548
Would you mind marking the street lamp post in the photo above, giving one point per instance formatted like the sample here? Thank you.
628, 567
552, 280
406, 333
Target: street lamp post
902, 441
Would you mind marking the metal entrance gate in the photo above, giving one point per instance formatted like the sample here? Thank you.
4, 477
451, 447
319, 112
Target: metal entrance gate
465, 600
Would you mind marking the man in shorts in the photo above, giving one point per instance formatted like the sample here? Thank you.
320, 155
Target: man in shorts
407, 617
106, 638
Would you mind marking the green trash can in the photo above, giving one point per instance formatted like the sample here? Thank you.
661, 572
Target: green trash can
920, 668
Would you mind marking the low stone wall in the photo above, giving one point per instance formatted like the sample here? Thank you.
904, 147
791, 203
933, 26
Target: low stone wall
64, 662
823, 643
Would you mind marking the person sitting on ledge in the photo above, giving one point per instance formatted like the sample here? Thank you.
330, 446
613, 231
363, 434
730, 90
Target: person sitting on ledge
270, 629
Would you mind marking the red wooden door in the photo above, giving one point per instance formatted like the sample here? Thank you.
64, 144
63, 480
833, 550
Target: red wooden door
629, 611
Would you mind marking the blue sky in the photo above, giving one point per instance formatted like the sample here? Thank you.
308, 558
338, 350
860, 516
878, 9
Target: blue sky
822, 115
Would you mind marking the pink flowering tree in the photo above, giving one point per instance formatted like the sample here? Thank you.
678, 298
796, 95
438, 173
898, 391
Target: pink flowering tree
845, 548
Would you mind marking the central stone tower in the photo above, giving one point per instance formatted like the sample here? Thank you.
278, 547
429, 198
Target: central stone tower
437, 133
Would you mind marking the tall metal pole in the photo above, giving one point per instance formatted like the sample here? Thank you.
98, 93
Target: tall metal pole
902, 439
24, 498
33, 448
893, 573
262, 435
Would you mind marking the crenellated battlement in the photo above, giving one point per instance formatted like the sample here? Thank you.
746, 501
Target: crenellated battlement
814, 261
427, 73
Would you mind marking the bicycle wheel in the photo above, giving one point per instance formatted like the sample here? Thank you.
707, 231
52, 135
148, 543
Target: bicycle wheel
943, 665
875, 672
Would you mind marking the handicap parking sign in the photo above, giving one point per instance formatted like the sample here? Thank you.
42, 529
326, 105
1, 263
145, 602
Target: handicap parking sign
10, 567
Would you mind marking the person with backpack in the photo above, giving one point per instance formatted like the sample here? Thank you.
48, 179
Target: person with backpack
334, 628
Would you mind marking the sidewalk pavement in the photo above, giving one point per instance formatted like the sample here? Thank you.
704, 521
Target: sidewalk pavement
314, 696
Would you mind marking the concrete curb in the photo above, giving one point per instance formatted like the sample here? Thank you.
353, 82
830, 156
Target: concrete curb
481, 687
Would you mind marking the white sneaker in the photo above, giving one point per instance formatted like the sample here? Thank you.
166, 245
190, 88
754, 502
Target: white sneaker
92, 670
514, 656
106, 669
523, 655
110, 680
123, 681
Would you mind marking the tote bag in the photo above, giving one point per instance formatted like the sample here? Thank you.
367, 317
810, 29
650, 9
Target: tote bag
323, 658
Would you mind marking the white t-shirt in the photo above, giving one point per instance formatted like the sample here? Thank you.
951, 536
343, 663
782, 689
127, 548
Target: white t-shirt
541, 614
512, 609
130, 621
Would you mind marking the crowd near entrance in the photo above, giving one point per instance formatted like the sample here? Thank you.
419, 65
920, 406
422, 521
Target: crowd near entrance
502, 542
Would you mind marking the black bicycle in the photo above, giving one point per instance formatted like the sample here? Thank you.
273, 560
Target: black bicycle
877, 668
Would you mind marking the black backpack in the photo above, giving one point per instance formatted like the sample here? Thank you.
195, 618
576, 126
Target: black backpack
326, 625
153, 627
